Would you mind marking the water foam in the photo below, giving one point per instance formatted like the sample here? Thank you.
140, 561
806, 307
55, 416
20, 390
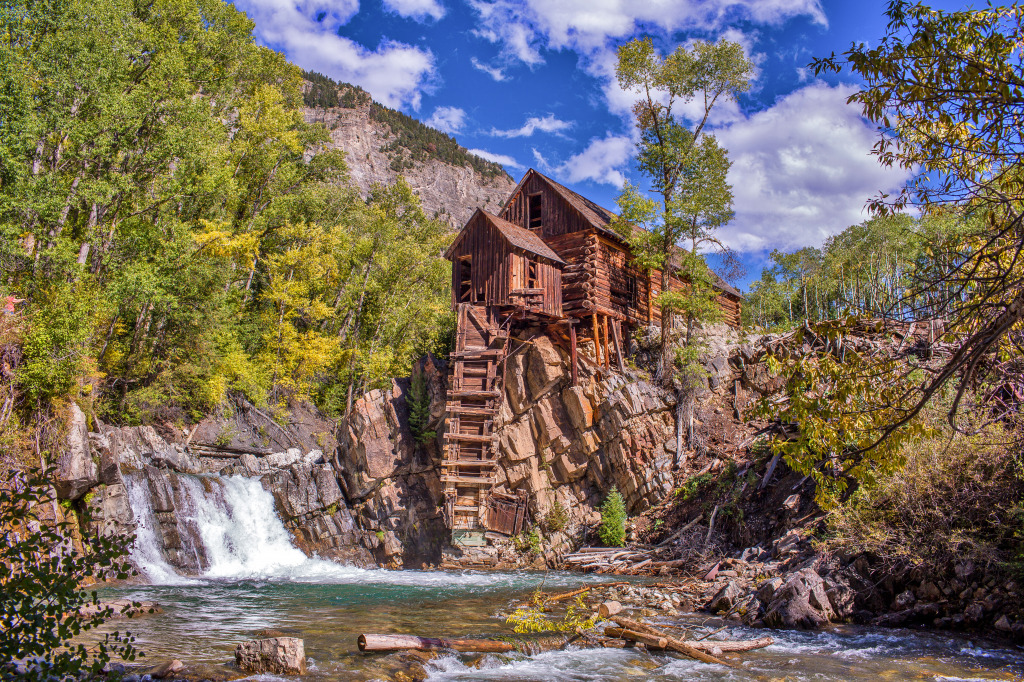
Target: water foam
242, 537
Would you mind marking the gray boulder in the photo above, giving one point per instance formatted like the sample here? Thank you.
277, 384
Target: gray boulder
278, 655
801, 602
725, 599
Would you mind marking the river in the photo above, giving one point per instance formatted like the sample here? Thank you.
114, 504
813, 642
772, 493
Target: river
258, 580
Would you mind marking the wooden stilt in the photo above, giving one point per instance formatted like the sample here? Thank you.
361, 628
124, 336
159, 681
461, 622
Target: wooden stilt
618, 346
572, 353
607, 360
597, 340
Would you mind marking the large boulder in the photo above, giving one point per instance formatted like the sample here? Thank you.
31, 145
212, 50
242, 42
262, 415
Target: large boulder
801, 602
110, 510
76, 470
278, 655
545, 368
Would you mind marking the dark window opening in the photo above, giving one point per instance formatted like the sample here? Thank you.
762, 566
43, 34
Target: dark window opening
532, 280
465, 286
535, 210
631, 290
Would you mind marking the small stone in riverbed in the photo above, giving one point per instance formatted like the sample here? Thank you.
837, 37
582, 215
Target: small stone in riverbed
1003, 624
166, 669
281, 655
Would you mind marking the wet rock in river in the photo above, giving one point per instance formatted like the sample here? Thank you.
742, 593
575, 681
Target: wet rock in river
279, 655
800, 603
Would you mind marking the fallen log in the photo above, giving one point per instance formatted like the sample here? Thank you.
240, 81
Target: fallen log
609, 608
412, 642
674, 644
708, 646
567, 595
634, 636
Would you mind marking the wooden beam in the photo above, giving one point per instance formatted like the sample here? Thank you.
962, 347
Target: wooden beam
618, 345
597, 340
572, 354
607, 360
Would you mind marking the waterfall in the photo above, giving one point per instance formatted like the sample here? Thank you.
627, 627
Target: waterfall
220, 528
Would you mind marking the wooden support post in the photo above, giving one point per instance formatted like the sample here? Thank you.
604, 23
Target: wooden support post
572, 353
597, 340
607, 360
618, 346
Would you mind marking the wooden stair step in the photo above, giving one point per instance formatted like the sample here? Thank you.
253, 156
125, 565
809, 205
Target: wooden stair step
474, 394
468, 480
471, 437
477, 353
460, 410
469, 462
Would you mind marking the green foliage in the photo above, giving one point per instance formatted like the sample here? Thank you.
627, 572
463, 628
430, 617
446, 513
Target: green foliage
324, 93
419, 409
557, 518
958, 497
613, 519
527, 542
845, 402
871, 269
181, 233
532, 617
42, 592
415, 142
694, 486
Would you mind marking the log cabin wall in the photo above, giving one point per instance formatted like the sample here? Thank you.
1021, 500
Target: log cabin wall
728, 302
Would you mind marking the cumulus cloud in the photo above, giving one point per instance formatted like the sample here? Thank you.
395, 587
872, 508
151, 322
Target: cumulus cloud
447, 119
504, 160
394, 73
416, 9
547, 124
802, 170
492, 71
602, 161
524, 27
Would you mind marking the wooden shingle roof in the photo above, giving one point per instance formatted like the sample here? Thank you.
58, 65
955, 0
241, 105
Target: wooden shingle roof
518, 237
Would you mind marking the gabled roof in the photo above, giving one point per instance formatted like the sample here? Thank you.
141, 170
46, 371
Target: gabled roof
600, 217
518, 237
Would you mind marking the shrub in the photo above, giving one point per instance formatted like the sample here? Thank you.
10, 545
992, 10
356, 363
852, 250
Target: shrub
957, 497
613, 520
557, 518
42, 575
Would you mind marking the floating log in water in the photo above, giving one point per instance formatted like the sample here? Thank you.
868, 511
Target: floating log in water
412, 642
634, 636
672, 643
609, 608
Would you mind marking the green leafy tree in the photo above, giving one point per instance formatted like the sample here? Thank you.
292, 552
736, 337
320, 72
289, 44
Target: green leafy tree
946, 89
613, 519
42, 570
687, 170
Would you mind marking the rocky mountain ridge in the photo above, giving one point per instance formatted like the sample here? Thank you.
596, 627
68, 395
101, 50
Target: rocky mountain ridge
380, 144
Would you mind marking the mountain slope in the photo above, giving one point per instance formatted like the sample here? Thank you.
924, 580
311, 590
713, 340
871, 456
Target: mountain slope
381, 144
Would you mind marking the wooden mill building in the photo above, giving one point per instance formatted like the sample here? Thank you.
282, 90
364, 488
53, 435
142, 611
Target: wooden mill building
550, 258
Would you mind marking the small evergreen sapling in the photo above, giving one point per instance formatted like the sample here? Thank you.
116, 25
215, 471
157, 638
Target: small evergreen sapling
613, 520
419, 410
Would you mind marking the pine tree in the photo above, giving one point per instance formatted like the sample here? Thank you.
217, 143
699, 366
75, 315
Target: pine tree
613, 520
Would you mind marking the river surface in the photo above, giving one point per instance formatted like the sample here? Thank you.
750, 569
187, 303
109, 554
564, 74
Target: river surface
203, 621
256, 580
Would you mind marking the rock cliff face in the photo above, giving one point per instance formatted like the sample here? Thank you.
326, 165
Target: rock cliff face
452, 192
376, 496
565, 446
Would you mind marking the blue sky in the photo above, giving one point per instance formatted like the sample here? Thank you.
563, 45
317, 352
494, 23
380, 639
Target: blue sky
531, 83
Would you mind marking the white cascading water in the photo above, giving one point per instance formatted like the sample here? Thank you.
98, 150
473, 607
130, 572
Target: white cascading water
242, 537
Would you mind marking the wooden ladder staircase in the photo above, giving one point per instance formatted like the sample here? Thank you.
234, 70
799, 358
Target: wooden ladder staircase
475, 390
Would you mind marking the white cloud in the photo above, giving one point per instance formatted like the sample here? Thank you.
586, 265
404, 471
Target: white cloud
802, 170
602, 161
416, 9
504, 160
547, 124
492, 71
523, 27
447, 119
394, 74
